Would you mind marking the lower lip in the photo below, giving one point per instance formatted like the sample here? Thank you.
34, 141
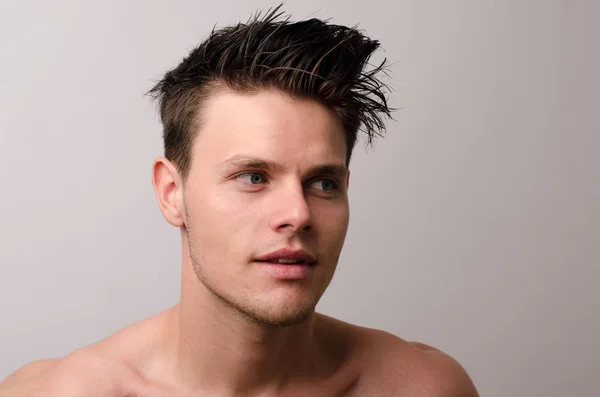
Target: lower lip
286, 271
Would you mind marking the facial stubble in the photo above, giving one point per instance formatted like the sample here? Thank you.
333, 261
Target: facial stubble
243, 307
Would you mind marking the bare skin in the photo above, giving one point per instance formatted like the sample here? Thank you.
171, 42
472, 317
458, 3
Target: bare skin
355, 361
268, 173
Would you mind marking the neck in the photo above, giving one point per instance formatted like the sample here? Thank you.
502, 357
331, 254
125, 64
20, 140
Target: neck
222, 351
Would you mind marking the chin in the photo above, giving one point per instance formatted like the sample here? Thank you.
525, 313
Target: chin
281, 319
280, 308
281, 313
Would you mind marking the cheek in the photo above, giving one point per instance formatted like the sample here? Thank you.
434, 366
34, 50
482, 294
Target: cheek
219, 235
332, 221
220, 220
215, 206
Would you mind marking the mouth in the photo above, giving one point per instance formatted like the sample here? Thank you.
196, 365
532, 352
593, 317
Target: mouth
283, 261
287, 264
286, 270
286, 256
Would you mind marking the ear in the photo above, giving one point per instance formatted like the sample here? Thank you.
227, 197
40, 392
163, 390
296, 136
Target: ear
168, 189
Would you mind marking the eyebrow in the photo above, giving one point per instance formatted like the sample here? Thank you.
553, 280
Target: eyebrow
241, 161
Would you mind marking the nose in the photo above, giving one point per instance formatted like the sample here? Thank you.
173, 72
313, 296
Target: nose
291, 210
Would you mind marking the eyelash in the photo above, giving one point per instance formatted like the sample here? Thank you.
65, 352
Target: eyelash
336, 184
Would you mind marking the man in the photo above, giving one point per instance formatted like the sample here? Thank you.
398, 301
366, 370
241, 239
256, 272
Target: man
259, 125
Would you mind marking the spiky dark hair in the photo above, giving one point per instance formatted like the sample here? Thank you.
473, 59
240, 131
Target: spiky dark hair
310, 58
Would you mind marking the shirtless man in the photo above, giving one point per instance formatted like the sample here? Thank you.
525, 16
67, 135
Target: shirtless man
259, 125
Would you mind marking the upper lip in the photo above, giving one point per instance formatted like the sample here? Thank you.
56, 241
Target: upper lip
290, 254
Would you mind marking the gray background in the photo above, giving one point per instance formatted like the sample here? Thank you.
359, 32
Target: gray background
475, 224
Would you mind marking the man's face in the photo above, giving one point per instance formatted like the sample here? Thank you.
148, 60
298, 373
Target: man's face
268, 172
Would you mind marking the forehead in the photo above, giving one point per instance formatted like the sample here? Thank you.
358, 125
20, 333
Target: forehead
268, 124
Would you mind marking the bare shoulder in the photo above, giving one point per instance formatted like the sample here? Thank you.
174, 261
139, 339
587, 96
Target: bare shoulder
45, 376
391, 366
447, 377
87, 371
110, 366
29, 373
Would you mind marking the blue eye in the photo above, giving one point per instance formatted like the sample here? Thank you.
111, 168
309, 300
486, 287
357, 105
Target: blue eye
252, 178
327, 185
